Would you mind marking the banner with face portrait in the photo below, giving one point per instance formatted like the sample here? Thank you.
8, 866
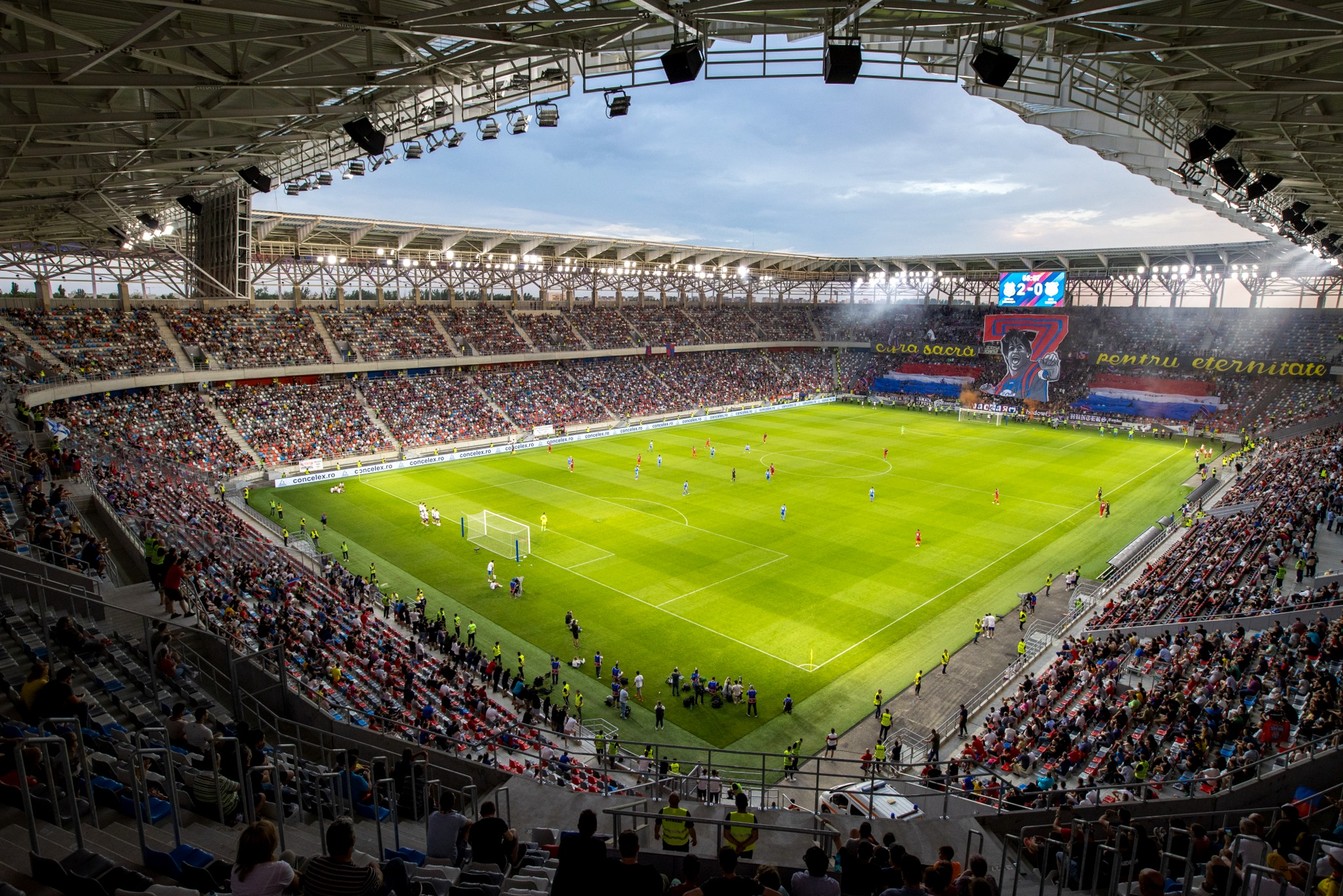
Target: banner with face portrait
1029, 345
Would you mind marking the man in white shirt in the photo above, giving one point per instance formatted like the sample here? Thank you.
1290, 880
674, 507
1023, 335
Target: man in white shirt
198, 735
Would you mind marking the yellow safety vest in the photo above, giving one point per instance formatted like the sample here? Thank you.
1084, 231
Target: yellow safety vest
675, 828
740, 833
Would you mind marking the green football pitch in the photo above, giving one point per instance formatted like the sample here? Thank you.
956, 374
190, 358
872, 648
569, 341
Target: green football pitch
827, 604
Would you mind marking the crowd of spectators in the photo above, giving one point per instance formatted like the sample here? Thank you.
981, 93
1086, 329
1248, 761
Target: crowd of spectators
390, 332
602, 327
250, 337
1131, 717
664, 324
1250, 562
550, 331
785, 323
98, 342
626, 386
484, 329
286, 423
434, 410
174, 422
538, 394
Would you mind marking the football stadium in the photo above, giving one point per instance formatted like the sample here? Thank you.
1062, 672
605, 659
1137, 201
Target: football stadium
343, 553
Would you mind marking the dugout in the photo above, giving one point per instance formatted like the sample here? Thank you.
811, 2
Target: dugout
1133, 552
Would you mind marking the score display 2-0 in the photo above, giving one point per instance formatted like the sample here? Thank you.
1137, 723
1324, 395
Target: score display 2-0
1031, 289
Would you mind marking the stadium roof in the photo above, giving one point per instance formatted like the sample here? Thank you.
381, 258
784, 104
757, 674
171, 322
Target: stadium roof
116, 109
309, 236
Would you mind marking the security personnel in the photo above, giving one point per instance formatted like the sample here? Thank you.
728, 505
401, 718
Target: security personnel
1021, 618
247, 493
387, 606
879, 755
885, 724
284, 533
737, 834
876, 704
674, 769
674, 827
344, 551
1021, 650
457, 625
471, 633
497, 652
979, 628
564, 692
1049, 580
578, 705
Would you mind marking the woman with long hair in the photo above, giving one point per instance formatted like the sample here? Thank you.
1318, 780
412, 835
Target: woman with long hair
257, 872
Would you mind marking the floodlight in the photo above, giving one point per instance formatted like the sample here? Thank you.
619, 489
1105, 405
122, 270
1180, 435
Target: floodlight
324, 179
487, 129
433, 141
547, 115
454, 137
1210, 142
355, 169
1263, 185
369, 139
150, 222
617, 103
518, 121
1230, 172
413, 150
292, 189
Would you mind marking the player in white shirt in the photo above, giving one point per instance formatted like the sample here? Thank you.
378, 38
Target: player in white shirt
434, 515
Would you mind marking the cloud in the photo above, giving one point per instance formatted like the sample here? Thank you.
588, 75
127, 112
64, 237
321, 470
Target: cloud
992, 187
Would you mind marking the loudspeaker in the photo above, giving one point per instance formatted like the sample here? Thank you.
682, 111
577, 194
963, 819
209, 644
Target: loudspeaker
259, 182
370, 139
682, 63
191, 204
842, 63
994, 66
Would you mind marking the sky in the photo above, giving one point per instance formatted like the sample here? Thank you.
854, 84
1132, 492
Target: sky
788, 165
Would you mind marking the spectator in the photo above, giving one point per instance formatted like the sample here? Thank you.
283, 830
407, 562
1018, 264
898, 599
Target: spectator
257, 872
336, 872
582, 857
197, 733
727, 882
627, 876
493, 843
814, 881
445, 827
978, 870
57, 699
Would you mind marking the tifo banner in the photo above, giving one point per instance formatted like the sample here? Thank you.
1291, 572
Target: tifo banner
930, 349
1029, 344
1214, 364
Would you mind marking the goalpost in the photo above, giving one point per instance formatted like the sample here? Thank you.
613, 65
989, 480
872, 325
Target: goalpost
994, 417
498, 534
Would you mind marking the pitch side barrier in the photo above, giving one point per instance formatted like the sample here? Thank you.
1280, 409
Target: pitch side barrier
508, 447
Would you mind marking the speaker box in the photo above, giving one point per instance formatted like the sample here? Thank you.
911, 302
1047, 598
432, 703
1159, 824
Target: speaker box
191, 204
842, 63
682, 63
259, 182
994, 66
370, 139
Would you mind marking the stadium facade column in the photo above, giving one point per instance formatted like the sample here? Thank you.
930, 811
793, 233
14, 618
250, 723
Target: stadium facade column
43, 287
620, 297
378, 294
297, 292
643, 296
415, 295
124, 294
340, 299
594, 292
568, 299
662, 294
513, 292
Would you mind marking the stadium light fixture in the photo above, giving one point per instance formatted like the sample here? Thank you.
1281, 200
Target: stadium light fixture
487, 129
617, 103
1230, 172
518, 122
354, 169
1208, 144
150, 222
433, 141
412, 149
1262, 185
118, 234
291, 189
453, 137
547, 115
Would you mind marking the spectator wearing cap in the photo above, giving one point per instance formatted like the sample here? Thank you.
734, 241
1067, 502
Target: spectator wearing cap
1330, 885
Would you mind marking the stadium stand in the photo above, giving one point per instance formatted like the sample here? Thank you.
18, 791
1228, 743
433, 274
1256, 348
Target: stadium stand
250, 337
392, 332
96, 342
1132, 714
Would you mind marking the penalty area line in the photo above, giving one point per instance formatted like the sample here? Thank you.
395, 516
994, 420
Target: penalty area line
991, 563
685, 619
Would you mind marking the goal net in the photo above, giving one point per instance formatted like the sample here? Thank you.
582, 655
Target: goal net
498, 534
975, 414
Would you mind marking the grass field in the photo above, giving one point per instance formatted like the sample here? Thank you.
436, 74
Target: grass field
828, 604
